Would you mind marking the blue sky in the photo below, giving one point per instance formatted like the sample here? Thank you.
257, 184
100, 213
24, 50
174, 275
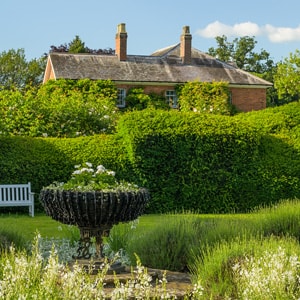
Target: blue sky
35, 25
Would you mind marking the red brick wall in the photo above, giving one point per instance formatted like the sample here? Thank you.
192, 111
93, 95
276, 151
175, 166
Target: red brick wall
244, 99
248, 99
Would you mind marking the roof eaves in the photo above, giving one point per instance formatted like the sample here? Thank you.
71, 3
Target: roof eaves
250, 86
154, 83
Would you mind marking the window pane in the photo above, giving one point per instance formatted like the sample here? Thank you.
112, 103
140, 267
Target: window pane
121, 97
171, 98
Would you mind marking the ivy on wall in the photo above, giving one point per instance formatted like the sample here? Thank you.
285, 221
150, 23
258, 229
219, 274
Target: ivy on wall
205, 97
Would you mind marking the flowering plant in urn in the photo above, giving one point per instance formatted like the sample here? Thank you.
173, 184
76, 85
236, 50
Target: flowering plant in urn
87, 178
94, 200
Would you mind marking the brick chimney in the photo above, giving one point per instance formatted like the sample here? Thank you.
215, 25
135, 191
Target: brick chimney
121, 42
186, 45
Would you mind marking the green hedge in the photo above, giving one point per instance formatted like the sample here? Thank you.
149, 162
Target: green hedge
191, 161
283, 119
44, 160
187, 160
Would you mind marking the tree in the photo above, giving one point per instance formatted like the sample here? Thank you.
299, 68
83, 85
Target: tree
241, 51
287, 78
60, 108
16, 72
78, 46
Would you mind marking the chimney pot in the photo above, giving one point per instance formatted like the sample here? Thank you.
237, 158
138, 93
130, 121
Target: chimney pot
121, 28
186, 29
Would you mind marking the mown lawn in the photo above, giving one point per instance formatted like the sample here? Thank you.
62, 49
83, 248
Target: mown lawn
47, 227
28, 227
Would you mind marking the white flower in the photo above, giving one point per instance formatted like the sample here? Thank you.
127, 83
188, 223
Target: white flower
100, 169
89, 164
112, 173
77, 172
87, 170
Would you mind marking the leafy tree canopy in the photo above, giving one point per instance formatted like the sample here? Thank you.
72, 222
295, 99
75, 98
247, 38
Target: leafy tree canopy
17, 72
78, 46
241, 51
287, 78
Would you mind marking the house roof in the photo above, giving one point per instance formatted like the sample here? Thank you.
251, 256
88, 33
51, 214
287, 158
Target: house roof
163, 66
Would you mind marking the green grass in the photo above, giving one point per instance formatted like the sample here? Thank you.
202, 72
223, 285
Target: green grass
28, 226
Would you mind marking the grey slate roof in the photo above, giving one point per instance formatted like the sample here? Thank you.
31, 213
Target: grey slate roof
163, 66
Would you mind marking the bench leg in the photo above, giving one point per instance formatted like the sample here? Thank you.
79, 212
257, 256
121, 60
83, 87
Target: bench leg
31, 210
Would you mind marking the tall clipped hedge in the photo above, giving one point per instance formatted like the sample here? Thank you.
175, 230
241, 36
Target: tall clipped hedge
187, 160
44, 160
283, 119
278, 169
191, 161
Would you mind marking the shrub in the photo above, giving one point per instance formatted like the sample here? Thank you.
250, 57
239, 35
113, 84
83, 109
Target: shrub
37, 277
189, 161
249, 268
8, 238
42, 161
283, 119
136, 99
24, 159
61, 108
166, 245
280, 220
208, 163
205, 97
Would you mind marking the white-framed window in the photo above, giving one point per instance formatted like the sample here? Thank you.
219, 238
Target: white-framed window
172, 98
121, 97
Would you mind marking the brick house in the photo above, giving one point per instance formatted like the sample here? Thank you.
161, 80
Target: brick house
159, 72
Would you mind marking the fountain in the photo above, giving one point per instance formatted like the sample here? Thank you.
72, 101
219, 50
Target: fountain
94, 213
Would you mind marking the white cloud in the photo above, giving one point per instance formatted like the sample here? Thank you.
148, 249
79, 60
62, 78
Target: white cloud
282, 34
274, 34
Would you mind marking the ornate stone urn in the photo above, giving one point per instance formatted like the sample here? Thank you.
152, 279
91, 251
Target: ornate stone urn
94, 201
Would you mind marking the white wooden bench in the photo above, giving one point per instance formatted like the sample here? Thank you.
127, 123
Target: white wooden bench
17, 195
